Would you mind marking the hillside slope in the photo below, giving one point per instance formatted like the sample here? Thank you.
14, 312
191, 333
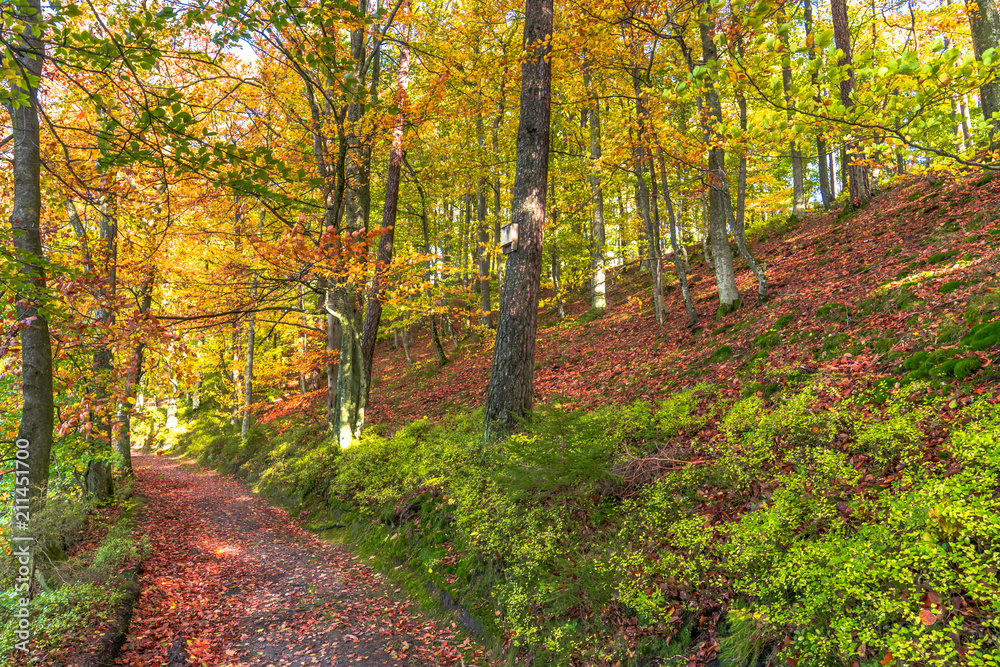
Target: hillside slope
812, 480
885, 264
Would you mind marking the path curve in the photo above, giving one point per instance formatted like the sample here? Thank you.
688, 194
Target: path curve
244, 586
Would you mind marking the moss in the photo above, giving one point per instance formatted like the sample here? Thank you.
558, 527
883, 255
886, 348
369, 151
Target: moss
831, 346
939, 257
721, 354
976, 222
834, 312
983, 336
984, 179
949, 287
883, 345
726, 309
767, 340
784, 321
914, 197
590, 316
967, 367
894, 251
915, 361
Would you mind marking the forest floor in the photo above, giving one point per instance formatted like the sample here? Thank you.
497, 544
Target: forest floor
930, 241
241, 584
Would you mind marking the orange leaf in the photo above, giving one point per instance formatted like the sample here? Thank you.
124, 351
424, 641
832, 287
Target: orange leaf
887, 659
928, 617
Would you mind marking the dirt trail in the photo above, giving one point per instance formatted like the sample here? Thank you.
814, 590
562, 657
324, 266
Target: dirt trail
243, 585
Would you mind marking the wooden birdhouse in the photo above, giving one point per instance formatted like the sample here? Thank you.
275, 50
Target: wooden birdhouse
508, 238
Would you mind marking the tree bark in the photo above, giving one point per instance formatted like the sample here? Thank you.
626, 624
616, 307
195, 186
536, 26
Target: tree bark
25, 223
679, 267
342, 299
385, 247
718, 196
738, 221
248, 376
646, 205
510, 393
554, 251
798, 172
483, 252
985, 24
858, 176
598, 287
134, 375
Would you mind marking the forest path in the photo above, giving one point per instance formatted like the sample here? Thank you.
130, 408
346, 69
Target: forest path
243, 585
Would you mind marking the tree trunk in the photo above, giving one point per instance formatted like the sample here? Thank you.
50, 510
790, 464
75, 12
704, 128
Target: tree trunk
985, 24
679, 267
824, 182
738, 222
643, 199
248, 376
833, 176
510, 393
406, 346
134, 376
483, 253
798, 172
342, 300
719, 204
598, 288
385, 246
858, 176
35, 429
425, 227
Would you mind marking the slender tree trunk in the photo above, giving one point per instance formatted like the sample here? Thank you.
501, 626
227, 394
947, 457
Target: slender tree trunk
824, 183
833, 176
248, 376
738, 222
858, 175
598, 288
679, 267
719, 204
385, 247
985, 24
483, 252
557, 277
405, 337
35, 430
134, 375
510, 393
554, 248
798, 172
646, 205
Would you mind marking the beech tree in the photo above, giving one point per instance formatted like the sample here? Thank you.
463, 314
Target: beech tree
25, 59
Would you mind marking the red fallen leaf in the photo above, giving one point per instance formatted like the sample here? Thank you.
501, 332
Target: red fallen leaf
928, 617
887, 659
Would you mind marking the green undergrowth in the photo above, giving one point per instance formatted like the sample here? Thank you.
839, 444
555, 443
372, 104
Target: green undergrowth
79, 594
796, 521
